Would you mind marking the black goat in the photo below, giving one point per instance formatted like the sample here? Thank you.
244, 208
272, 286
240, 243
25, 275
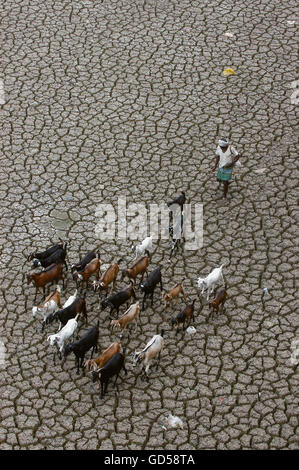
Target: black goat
65, 314
80, 347
84, 261
58, 256
46, 253
116, 300
176, 232
111, 368
185, 315
180, 200
148, 287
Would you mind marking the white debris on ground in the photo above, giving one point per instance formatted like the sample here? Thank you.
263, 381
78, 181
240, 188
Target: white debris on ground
191, 330
174, 422
260, 171
229, 34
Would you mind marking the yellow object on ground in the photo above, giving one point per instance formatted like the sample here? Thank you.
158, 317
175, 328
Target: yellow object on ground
228, 71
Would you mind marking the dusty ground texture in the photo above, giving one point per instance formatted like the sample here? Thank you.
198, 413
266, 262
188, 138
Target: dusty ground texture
128, 98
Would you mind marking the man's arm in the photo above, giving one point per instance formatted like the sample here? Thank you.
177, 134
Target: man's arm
217, 161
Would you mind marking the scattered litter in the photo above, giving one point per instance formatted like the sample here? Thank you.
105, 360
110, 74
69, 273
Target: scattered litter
174, 422
291, 22
229, 34
191, 330
228, 72
163, 427
259, 171
266, 290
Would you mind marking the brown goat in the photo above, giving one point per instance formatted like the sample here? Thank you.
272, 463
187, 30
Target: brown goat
131, 314
106, 278
50, 274
220, 299
106, 355
185, 315
139, 267
174, 294
93, 267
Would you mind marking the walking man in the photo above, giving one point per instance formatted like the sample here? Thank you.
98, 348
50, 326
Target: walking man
226, 158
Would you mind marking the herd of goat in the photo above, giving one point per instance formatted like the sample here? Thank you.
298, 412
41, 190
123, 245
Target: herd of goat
112, 360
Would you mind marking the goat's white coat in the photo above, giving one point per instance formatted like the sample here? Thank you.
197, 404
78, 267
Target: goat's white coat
151, 350
210, 281
70, 300
47, 307
64, 334
146, 244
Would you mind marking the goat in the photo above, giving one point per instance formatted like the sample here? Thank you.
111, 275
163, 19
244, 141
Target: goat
139, 267
217, 301
111, 368
151, 350
210, 281
116, 300
186, 314
41, 279
180, 200
174, 294
70, 300
107, 277
92, 268
131, 314
54, 258
65, 314
63, 335
101, 360
148, 287
176, 232
50, 305
46, 253
146, 245
84, 261
80, 347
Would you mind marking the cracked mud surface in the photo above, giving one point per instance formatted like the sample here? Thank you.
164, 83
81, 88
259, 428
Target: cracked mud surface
128, 98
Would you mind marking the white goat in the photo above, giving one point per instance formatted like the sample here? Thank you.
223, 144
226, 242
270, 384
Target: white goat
146, 244
50, 305
64, 334
210, 281
151, 350
70, 300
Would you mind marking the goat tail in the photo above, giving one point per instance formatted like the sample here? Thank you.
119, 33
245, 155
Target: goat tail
162, 332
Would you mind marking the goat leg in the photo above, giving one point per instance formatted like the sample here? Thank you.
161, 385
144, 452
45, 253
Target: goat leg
77, 364
102, 391
115, 380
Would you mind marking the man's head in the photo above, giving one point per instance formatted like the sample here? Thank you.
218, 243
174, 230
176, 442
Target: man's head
223, 143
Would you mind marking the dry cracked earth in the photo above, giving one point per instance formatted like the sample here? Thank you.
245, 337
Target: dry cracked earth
127, 98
